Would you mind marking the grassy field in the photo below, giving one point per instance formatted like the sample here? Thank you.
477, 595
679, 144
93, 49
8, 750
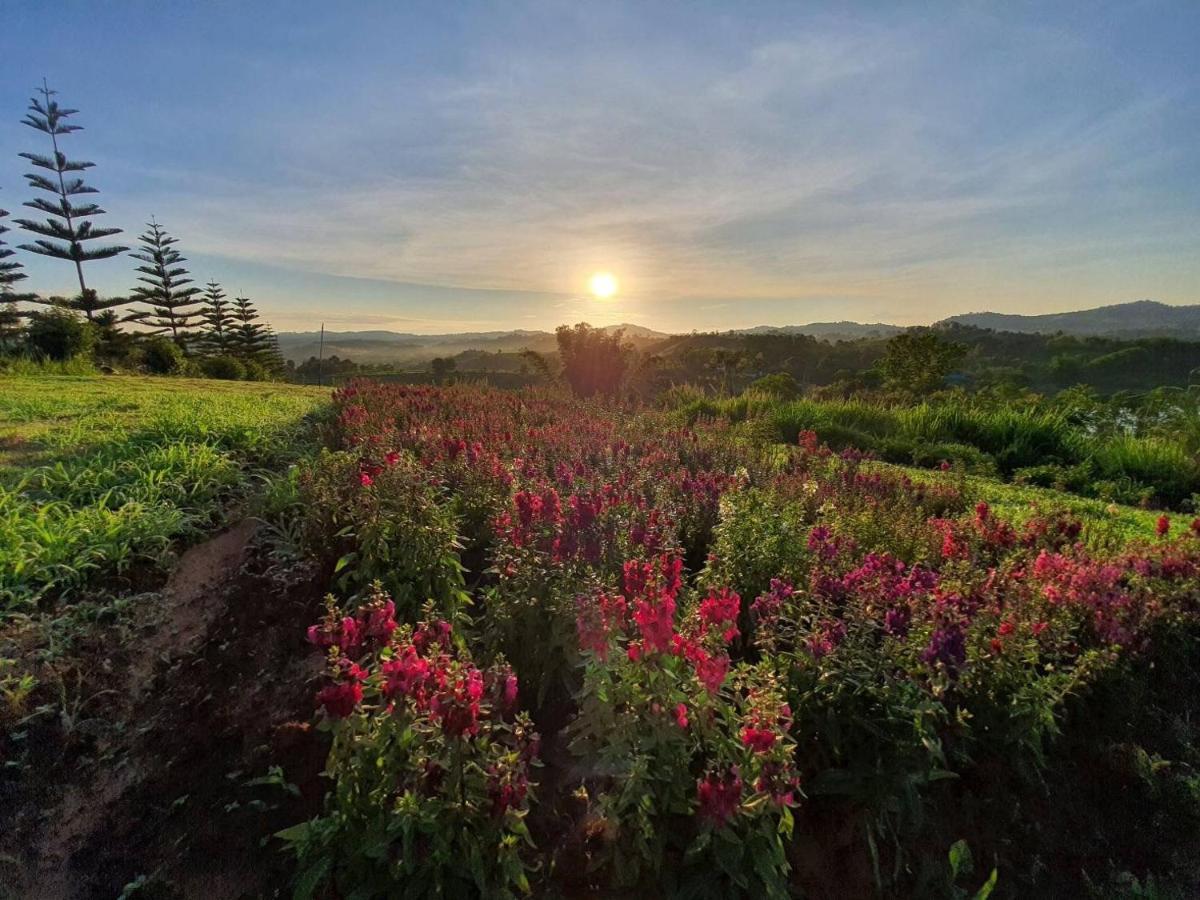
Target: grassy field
102, 475
1019, 443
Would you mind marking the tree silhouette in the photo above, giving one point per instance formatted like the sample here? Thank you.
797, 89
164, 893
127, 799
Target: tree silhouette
217, 316
166, 286
594, 361
69, 225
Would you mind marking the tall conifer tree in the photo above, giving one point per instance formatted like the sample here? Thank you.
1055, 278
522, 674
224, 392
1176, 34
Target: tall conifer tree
217, 316
10, 274
10, 269
249, 333
69, 226
166, 287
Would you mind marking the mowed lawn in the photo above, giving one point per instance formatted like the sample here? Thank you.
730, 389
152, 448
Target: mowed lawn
99, 475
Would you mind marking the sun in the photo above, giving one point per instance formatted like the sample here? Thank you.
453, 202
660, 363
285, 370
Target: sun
603, 285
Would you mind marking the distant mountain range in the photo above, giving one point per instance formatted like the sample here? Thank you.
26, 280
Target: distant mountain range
1143, 318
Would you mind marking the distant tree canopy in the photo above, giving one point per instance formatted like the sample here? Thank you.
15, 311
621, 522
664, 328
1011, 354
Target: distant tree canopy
593, 361
441, 366
919, 361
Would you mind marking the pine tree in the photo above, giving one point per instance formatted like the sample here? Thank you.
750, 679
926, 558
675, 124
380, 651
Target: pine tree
272, 357
166, 287
10, 274
69, 225
10, 269
217, 337
250, 341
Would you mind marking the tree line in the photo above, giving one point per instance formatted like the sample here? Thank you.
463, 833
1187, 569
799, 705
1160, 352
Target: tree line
166, 323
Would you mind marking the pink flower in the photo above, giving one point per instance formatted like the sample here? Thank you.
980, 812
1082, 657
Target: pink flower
681, 716
365, 479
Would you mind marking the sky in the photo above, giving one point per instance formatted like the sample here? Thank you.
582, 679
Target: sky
467, 167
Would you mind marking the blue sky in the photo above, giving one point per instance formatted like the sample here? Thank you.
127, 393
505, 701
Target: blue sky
456, 166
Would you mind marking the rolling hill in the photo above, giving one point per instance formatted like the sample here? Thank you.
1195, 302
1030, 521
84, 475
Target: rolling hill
1142, 318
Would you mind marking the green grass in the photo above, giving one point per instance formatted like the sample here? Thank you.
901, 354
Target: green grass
1029, 442
102, 476
1105, 525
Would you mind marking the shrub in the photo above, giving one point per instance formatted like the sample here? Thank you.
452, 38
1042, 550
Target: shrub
695, 768
255, 371
226, 368
779, 384
162, 356
59, 335
431, 764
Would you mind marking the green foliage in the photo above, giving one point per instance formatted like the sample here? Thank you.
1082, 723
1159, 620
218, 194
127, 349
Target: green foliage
162, 356
388, 527
779, 384
919, 361
59, 335
166, 288
69, 226
111, 473
431, 775
226, 368
593, 361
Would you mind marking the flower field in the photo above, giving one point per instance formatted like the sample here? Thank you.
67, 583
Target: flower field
593, 650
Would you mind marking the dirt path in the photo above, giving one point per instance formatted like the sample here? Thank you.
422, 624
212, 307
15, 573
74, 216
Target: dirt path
216, 693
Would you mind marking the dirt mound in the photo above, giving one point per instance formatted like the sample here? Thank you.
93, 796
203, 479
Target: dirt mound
178, 788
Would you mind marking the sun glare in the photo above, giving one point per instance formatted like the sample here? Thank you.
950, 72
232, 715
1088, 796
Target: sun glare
603, 285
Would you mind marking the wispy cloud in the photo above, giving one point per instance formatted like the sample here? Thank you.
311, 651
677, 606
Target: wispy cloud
895, 166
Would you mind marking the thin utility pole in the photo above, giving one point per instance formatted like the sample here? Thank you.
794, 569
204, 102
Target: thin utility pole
321, 358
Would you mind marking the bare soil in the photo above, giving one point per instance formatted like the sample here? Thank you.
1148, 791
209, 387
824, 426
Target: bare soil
152, 783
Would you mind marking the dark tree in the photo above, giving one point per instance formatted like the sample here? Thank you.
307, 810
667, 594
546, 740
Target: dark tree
272, 358
11, 329
441, 366
69, 226
594, 361
919, 361
10, 269
250, 340
217, 316
10, 273
166, 287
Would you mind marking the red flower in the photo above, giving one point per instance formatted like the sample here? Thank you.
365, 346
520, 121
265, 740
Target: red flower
760, 740
681, 716
1162, 526
719, 797
339, 700
365, 479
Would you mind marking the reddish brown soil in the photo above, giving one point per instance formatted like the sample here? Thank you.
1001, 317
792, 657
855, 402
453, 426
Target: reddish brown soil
217, 690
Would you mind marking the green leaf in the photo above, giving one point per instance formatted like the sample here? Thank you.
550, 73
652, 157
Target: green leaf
296, 834
960, 858
988, 886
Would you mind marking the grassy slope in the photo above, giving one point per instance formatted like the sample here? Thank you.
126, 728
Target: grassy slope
1102, 521
99, 472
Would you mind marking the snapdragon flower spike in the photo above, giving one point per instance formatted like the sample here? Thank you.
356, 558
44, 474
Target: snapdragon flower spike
719, 611
341, 698
718, 796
